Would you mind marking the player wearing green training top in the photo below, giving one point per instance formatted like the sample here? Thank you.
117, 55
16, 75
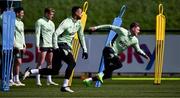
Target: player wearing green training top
62, 42
19, 45
122, 40
44, 30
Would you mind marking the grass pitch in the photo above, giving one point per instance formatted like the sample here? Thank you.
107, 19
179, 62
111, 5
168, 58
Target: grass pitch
115, 89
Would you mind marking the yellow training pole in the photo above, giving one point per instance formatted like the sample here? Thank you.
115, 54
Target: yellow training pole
160, 37
75, 43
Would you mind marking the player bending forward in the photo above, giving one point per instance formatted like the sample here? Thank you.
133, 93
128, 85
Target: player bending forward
122, 40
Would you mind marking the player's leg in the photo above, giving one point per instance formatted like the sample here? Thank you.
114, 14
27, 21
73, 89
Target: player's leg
11, 82
56, 66
107, 56
111, 61
68, 58
41, 59
116, 63
49, 57
16, 69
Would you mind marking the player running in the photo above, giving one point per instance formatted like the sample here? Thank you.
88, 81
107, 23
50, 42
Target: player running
122, 40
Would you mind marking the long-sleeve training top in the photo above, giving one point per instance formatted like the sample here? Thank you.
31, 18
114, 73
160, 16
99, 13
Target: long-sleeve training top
44, 30
19, 38
66, 32
122, 40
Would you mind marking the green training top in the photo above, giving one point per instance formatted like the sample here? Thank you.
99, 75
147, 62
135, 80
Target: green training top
44, 30
66, 32
19, 38
123, 40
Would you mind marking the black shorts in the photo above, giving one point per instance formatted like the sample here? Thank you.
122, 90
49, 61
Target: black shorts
108, 53
46, 49
18, 53
64, 46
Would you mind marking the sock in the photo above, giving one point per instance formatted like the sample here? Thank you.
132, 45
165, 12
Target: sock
89, 79
38, 80
49, 79
11, 77
16, 78
34, 71
66, 81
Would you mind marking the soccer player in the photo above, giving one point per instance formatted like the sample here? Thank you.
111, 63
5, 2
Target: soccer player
19, 45
44, 30
122, 40
62, 42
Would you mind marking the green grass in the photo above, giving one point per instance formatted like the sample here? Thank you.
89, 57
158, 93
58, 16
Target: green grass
115, 89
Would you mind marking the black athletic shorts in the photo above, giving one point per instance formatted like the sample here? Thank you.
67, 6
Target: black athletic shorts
46, 49
18, 53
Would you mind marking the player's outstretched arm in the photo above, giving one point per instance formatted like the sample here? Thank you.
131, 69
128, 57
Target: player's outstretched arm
140, 51
117, 29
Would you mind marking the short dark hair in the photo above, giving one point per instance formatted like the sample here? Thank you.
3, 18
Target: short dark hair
134, 24
18, 10
48, 10
74, 9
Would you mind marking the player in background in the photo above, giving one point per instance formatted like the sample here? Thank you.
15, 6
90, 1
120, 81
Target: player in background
44, 29
19, 45
123, 39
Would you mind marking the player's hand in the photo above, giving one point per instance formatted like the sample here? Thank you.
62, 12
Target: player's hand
55, 47
92, 28
38, 50
85, 55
